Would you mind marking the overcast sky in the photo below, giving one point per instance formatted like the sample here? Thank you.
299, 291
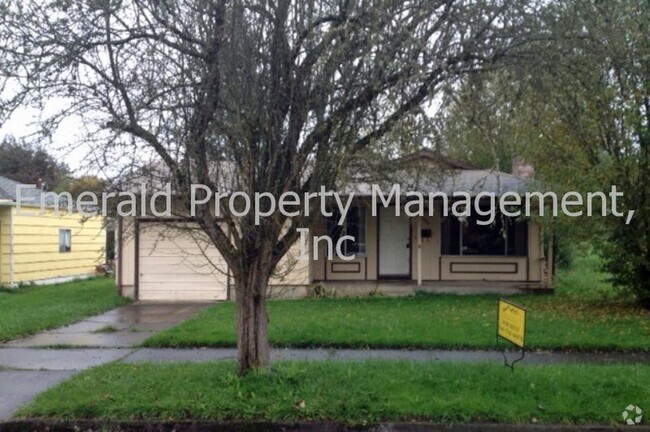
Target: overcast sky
22, 124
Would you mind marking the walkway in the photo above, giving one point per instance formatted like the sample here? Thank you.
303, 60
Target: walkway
27, 369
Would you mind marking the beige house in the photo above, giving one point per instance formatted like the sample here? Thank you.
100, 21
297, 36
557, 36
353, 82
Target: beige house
169, 260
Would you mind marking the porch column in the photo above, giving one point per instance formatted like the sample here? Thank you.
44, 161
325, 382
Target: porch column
419, 251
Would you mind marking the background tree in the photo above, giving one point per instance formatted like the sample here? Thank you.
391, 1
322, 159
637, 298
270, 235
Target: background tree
581, 112
252, 96
27, 164
84, 183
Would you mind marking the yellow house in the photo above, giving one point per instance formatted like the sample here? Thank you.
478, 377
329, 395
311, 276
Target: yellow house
44, 247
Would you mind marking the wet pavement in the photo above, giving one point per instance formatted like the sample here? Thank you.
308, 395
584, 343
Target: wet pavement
28, 367
19, 387
58, 359
126, 326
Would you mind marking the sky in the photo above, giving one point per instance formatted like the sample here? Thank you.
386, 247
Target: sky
23, 123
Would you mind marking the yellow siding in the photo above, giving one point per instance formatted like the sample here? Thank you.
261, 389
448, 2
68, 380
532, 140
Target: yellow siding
36, 246
5, 244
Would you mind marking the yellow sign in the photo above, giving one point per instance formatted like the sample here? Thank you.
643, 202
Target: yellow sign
511, 322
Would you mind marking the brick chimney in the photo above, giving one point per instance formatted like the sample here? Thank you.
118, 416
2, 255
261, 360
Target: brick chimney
40, 184
521, 168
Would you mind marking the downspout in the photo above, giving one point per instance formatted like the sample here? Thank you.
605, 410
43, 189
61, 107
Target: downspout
12, 283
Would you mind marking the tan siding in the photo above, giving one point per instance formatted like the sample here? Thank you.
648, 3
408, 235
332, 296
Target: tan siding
127, 259
362, 268
483, 268
430, 249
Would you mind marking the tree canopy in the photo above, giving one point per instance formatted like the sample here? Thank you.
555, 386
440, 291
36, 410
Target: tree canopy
28, 164
581, 112
264, 96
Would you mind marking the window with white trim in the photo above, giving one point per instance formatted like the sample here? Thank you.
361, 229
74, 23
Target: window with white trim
65, 240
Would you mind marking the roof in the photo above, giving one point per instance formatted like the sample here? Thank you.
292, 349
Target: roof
429, 155
427, 172
9, 191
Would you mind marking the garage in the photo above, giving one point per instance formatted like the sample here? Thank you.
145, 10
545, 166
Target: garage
176, 262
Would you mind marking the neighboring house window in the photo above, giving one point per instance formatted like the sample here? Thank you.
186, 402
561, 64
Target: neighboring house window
65, 240
354, 225
466, 237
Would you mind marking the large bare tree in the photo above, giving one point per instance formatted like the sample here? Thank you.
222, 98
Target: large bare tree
264, 96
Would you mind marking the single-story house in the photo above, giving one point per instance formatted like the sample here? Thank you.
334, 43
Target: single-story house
44, 247
172, 260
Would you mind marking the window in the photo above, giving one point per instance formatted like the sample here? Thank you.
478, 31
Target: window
65, 240
354, 225
503, 237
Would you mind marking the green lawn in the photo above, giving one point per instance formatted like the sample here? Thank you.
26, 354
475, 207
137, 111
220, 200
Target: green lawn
580, 316
351, 392
25, 311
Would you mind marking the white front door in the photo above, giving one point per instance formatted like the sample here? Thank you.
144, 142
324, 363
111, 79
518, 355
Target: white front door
394, 242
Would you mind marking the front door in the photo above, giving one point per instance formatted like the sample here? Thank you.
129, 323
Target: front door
394, 243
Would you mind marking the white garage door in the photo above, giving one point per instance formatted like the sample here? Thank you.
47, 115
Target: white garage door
177, 262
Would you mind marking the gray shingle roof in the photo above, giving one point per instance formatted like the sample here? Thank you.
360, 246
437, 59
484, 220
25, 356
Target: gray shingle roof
9, 191
471, 181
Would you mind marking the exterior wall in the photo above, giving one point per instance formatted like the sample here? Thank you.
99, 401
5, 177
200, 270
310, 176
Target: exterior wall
498, 268
430, 248
177, 262
5, 246
291, 278
435, 267
364, 267
483, 268
294, 276
36, 253
125, 257
292, 270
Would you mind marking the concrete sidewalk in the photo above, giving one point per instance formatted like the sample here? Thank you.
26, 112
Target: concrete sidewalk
25, 372
26, 369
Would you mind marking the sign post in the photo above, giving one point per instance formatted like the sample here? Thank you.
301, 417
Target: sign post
511, 326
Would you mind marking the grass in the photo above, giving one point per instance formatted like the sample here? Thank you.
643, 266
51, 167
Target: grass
30, 310
107, 329
581, 316
350, 392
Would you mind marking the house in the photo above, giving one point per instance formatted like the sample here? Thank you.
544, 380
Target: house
173, 260
44, 247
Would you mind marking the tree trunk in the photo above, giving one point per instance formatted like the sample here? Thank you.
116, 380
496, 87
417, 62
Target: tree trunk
252, 321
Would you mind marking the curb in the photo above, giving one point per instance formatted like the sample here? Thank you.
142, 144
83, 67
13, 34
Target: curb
217, 426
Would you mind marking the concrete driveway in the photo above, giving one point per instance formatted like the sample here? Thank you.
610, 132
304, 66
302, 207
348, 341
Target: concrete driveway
27, 369
123, 327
